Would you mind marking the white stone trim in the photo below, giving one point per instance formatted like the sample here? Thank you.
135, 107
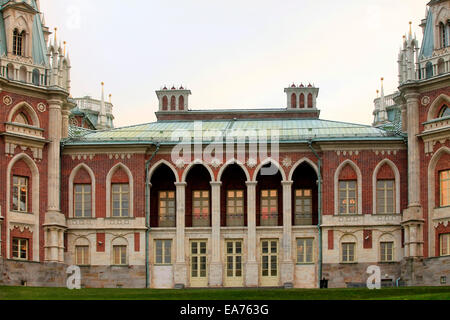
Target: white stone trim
432, 198
348, 238
156, 166
299, 162
35, 202
193, 163
336, 185
108, 188
29, 109
119, 241
432, 111
230, 162
397, 184
72, 178
266, 161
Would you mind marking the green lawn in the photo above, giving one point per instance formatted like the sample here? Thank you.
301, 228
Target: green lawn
408, 293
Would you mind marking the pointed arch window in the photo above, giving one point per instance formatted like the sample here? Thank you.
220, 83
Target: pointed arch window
21, 118
445, 112
293, 101
18, 42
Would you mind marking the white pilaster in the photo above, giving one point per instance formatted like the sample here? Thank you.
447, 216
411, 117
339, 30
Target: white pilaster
180, 263
216, 269
287, 265
251, 273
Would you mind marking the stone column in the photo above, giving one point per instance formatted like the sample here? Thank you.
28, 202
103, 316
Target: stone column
412, 105
406, 248
413, 215
251, 272
287, 264
65, 123
215, 273
55, 221
180, 270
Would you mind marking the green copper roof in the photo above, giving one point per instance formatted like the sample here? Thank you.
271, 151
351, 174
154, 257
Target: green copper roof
39, 48
290, 130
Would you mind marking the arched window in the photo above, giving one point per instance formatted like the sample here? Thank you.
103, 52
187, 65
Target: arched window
293, 101
23, 74
429, 70
21, 118
310, 100
445, 112
302, 101
18, 40
10, 72
173, 103
181, 103
36, 77
442, 35
441, 66
165, 103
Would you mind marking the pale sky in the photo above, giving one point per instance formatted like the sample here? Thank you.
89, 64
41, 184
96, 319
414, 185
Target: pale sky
234, 54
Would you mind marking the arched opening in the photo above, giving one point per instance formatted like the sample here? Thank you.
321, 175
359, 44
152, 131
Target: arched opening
23, 74
233, 197
198, 197
385, 191
119, 192
302, 101
21, 191
442, 35
165, 103
441, 66
304, 196
310, 100
173, 103
181, 103
293, 101
82, 194
429, 70
444, 112
18, 42
348, 189
22, 118
10, 71
162, 198
269, 204
36, 77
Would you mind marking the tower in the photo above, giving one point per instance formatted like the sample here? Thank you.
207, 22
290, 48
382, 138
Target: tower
35, 89
302, 97
434, 56
24, 55
173, 99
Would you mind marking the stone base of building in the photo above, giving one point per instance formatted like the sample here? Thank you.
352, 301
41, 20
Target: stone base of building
345, 275
113, 277
426, 272
33, 274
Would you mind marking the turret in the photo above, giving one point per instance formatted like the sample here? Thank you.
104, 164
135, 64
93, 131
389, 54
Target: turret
174, 99
302, 97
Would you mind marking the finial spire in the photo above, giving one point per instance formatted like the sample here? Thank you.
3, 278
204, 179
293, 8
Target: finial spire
110, 95
65, 44
56, 29
410, 28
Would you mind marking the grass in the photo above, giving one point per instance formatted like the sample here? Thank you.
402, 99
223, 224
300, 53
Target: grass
405, 293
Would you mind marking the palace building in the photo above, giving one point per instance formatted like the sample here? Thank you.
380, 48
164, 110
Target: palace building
321, 200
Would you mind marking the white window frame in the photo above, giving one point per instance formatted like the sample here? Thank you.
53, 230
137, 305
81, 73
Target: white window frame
302, 258
166, 253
